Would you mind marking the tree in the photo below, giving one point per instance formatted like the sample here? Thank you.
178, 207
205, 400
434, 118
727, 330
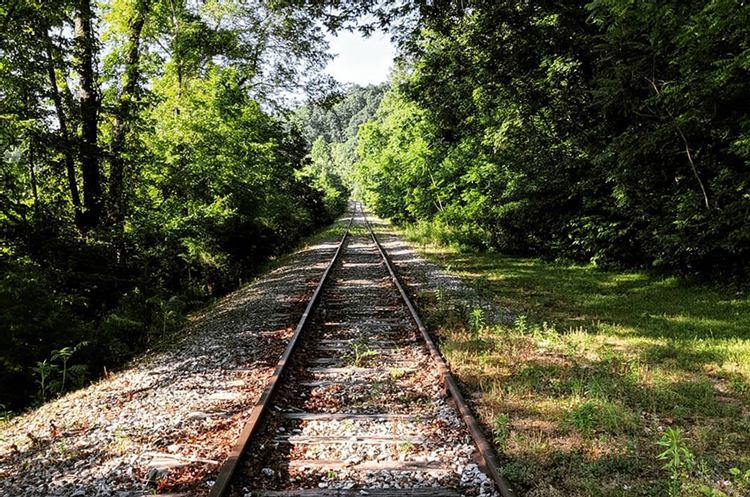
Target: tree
89, 103
143, 160
594, 131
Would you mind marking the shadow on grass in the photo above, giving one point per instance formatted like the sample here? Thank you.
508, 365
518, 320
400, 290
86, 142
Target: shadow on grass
625, 304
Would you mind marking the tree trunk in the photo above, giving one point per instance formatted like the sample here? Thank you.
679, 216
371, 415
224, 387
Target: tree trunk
89, 151
32, 178
70, 167
123, 116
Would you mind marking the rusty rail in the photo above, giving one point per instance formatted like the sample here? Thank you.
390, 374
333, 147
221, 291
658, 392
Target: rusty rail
485, 449
230, 465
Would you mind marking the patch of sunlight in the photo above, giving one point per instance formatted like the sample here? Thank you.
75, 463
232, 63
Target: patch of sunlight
601, 298
616, 329
631, 277
671, 282
694, 320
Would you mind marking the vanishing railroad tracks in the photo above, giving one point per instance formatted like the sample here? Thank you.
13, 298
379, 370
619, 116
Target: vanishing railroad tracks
361, 403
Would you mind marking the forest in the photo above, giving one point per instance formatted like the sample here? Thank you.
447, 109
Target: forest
584, 166
609, 131
154, 157
147, 167
580, 170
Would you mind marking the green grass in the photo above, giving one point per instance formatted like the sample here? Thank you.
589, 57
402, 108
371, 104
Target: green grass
593, 366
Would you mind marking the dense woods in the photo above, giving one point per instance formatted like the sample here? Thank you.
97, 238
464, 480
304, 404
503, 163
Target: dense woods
151, 158
332, 129
606, 131
146, 168
580, 169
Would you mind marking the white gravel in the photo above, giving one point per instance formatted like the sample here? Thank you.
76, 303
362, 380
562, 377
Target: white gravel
167, 422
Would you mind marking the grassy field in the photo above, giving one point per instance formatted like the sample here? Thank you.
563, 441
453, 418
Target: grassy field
602, 382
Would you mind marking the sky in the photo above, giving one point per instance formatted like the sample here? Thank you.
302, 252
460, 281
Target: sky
360, 60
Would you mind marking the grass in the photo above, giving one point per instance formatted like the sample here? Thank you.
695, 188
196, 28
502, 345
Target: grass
333, 230
593, 367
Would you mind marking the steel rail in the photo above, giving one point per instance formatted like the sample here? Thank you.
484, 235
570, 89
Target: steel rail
485, 449
230, 465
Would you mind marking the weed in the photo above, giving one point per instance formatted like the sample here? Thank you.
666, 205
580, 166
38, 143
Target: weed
738, 481
477, 321
362, 353
44, 372
741, 480
407, 447
738, 385
62, 449
64, 354
396, 374
595, 388
584, 417
169, 311
520, 324
679, 459
78, 374
485, 358
615, 418
331, 474
501, 430
122, 442
5, 415
443, 305
375, 389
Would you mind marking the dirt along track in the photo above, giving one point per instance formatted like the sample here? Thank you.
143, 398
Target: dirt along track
362, 406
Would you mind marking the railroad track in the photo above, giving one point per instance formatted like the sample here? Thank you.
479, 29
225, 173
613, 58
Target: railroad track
361, 403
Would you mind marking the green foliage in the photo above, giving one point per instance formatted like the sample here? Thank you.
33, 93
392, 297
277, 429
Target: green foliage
584, 417
609, 132
178, 181
501, 430
678, 457
44, 372
741, 479
64, 355
169, 311
477, 321
332, 127
596, 362
362, 354
47, 373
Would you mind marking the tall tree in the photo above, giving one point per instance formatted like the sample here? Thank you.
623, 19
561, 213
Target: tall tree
89, 103
64, 126
124, 112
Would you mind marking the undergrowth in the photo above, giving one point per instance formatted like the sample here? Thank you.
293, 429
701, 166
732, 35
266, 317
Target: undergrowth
601, 382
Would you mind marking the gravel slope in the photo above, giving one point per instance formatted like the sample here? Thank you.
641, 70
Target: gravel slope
167, 422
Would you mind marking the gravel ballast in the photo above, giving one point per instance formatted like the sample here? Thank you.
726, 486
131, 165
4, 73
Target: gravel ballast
420, 274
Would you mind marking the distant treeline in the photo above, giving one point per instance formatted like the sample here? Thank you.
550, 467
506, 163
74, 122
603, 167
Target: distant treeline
610, 131
331, 129
142, 172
